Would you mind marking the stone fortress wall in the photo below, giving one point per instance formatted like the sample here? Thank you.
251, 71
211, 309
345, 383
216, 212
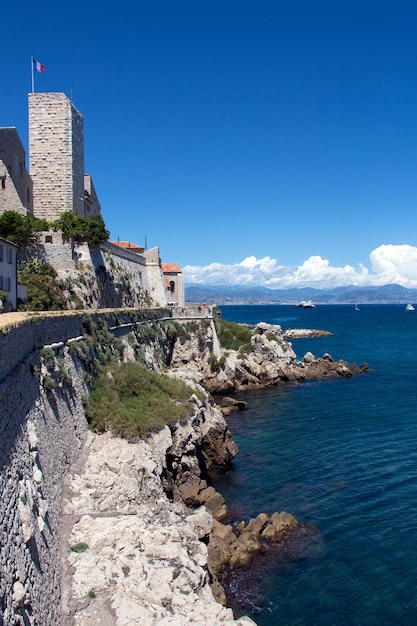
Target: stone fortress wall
16, 188
42, 434
113, 276
39, 439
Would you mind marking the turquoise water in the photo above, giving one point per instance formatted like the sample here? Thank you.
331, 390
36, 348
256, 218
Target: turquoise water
339, 454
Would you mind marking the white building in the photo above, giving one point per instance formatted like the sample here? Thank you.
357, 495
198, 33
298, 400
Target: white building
8, 274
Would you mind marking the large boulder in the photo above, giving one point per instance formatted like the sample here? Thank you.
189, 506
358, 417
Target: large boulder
229, 548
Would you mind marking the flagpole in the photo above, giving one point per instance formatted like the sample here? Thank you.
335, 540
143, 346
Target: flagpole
33, 78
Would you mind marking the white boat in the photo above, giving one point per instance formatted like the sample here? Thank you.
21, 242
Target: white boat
306, 304
357, 308
409, 307
309, 305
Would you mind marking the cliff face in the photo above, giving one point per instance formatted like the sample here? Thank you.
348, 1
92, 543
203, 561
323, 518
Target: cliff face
130, 494
132, 512
141, 560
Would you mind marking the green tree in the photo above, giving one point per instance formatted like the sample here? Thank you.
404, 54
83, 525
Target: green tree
92, 230
21, 229
45, 292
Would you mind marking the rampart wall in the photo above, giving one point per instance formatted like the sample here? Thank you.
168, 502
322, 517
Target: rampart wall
104, 277
42, 435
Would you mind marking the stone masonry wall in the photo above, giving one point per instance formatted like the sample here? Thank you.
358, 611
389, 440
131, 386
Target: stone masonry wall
105, 277
156, 279
41, 435
16, 184
56, 150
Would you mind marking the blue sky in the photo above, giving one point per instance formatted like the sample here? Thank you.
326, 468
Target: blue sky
261, 142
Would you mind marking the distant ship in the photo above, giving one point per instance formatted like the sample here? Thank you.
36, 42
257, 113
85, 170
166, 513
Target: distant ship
306, 304
409, 307
357, 308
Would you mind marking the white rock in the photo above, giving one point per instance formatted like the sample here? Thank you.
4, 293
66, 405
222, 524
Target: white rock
37, 475
200, 522
32, 436
146, 561
19, 593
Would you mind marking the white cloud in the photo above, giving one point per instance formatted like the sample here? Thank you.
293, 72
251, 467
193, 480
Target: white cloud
390, 264
396, 264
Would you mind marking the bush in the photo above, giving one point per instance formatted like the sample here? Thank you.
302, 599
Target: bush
234, 336
47, 354
48, 383
79, 547
132, 401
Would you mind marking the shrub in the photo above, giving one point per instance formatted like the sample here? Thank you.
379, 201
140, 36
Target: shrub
135, 401
234, 336
217, 364
48, 383
271, 336
47, 354
79, 547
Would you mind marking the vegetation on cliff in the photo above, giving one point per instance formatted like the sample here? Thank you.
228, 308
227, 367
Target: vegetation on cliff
233, 336
131, 401
126, 398
45, 291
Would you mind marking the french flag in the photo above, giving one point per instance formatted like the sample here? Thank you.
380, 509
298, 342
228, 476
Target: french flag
38, 66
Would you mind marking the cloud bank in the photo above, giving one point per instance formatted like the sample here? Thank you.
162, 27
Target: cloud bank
389, 264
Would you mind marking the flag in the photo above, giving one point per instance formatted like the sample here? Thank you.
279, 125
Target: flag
38, 66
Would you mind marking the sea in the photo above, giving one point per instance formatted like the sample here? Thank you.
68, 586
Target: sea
341, 456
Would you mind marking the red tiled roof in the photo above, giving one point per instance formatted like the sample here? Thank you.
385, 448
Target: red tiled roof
171, 268
133, 247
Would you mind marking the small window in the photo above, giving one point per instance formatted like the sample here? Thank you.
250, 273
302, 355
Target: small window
3, 182
1, 282
8, 282
48, 238
1, 252
172, 286
9, 255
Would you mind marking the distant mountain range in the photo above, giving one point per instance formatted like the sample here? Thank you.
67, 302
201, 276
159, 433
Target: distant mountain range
228, 294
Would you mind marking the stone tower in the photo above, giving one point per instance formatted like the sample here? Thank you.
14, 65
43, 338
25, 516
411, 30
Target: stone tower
56, 155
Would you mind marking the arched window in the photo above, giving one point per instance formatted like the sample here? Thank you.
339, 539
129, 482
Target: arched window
172, 286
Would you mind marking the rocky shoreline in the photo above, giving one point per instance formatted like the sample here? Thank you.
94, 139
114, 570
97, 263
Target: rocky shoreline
147, 538
131, 554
